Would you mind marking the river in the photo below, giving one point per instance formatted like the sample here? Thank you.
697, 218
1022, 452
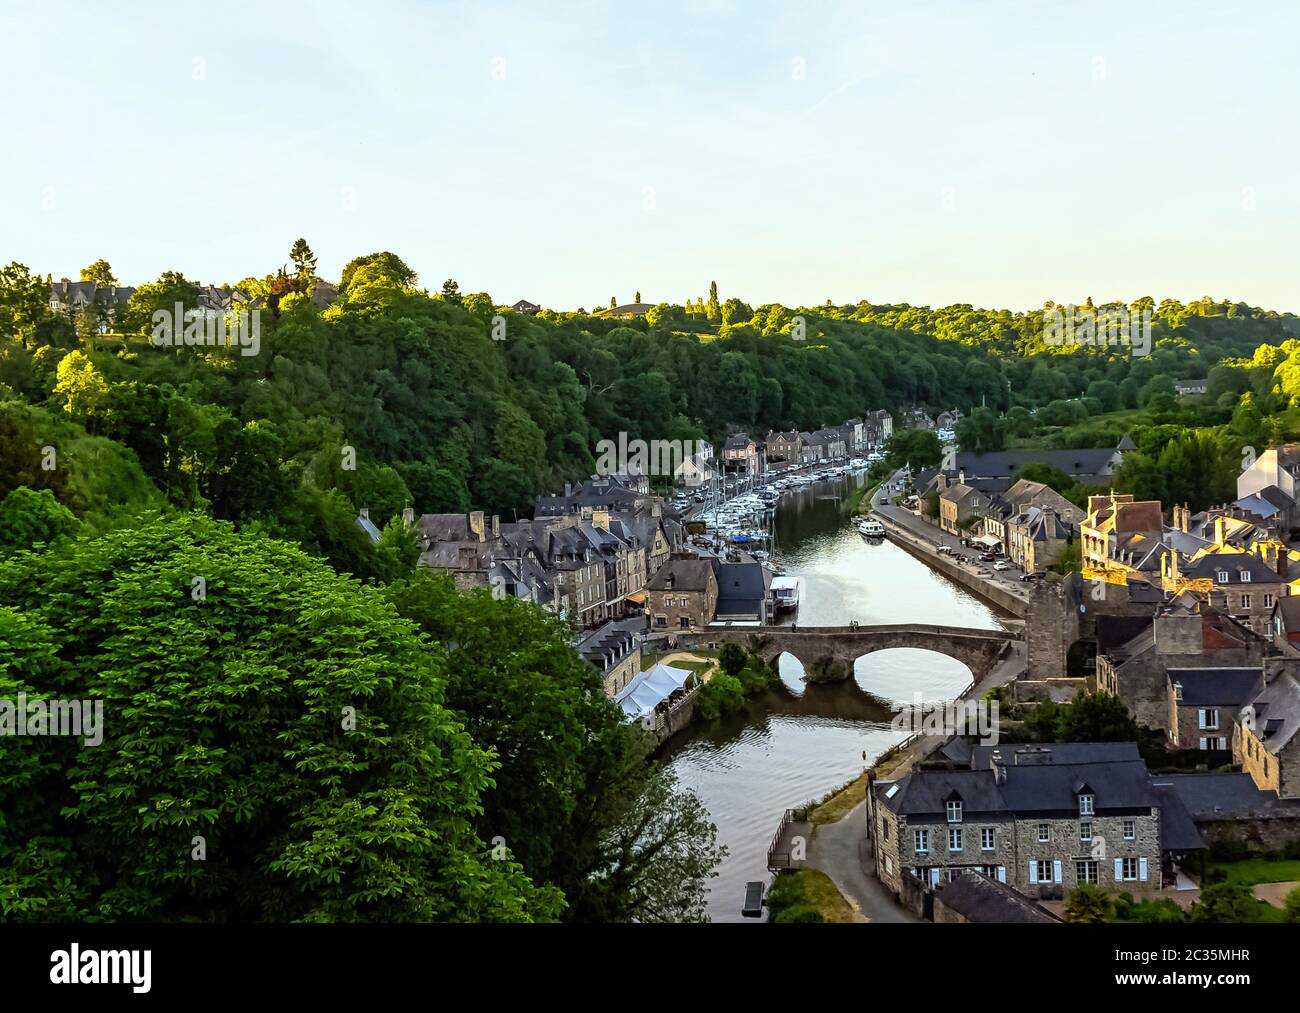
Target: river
794, 744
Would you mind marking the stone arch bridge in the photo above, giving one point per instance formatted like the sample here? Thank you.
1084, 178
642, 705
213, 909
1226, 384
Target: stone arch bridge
978, 650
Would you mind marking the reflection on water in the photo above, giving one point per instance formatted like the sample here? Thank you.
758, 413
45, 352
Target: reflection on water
787, 749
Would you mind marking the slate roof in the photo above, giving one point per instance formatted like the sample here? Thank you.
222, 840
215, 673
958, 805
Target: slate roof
1277, 712
1089, 461
687, 574
1209, 566
1208, 797
1177, 830
741, 589
1063, 752
980, 899
1217, 687
1037, 788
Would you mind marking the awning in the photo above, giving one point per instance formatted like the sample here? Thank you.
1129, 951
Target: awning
636, 597
640, 696
988, 541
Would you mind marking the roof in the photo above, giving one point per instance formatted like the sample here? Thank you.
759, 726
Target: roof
979, 899
1037, 788
1062, 752
1084, 462
1276, 712
741, 589
646, 689
680, 574
1209, 797
1177, 830
1216, 687
1235, 564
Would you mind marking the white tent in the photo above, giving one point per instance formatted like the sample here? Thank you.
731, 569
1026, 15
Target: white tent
639, 697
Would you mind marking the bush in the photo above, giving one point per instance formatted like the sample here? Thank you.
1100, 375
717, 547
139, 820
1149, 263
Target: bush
732, 659
723, 694
754, 679
1088, 904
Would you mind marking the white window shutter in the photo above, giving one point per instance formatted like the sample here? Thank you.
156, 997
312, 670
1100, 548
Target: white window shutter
1056, 870
1119, 870
934, 877
1142, 869
1202, 743
1002, 873
1033, 871
1201, 715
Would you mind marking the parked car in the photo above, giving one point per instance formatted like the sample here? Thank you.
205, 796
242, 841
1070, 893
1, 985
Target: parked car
1034, 575
946, 549
1002, 564
987, 557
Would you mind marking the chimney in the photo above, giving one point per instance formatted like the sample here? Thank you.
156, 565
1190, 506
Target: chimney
1220, 530
476, 525
961, 476
600, 519
496, 526
1178, 690
365, 513
408, 517
998, 767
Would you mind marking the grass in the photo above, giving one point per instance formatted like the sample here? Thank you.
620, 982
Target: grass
840, 802
1250, 871
807, 895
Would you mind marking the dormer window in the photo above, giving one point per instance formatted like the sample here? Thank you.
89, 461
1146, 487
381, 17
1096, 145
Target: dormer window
954, 811
1085, 805
1223, 576
1245, 576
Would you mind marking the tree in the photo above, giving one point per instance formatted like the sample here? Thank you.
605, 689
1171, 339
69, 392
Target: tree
28, 517
100, 272
712, 309
322, 782
982, 431
577, 797
451, 291
732, 658
1225, 902
80, 387
916, 449
1096, 717
638, 298
304, 261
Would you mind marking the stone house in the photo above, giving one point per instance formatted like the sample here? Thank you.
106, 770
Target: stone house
1204, 704
105, 303
615, 649
1249, 582
740, 453
682, 595
959, 502
1265, 742
976, 899
785, 447
1180, 638
1041, 819
742, 593
879, 426
1119, 532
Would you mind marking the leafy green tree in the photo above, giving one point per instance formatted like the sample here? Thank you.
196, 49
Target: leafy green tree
100, 272
1096, 717
1225, 902
304, 260
451, 291
732, 658
258, 707
28, 517
913, 448
982, 431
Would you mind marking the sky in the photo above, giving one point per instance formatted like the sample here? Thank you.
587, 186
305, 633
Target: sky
993, 153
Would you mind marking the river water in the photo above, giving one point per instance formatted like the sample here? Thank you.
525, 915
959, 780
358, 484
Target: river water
796, 743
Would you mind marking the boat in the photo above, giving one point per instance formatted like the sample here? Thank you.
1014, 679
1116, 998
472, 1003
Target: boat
871, 528
784, 593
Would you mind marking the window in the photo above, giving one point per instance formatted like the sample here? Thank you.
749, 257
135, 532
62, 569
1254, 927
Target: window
1085, 871
954, 840
1085, 805
1085, 830
1209, 717
1044, 870
884, 830
1223, 576
1245, 576
1044, 833
1268, 601
1130, 829
954, 812
1129, 869
1245, 601
921, 841
988, 838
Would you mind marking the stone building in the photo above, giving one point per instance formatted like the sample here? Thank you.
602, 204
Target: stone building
615, 650
1204, 704
683, 595
1248, 582
1041, 819
1265, 742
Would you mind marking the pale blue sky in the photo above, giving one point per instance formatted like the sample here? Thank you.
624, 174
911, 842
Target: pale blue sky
994, 153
